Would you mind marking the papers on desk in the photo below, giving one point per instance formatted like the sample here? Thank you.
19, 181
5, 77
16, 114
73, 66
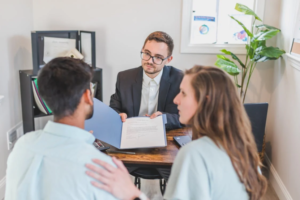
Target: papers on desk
57, 47
136, 132
143, 131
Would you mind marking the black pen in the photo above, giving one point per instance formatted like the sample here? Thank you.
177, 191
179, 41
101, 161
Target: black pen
124, 152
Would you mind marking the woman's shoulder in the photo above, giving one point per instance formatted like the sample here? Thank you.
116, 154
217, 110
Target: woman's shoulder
206, 165
203, 147
203, 143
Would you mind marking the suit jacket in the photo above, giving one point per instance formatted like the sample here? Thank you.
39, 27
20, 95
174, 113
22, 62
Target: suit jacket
127, 98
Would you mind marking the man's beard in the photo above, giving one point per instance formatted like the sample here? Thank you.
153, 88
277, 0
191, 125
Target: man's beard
151, 72
91, 113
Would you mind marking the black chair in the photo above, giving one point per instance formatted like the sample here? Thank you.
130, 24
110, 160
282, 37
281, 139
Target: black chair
257, 113
148, 173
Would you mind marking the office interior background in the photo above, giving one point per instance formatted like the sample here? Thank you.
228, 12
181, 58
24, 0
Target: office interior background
121, 28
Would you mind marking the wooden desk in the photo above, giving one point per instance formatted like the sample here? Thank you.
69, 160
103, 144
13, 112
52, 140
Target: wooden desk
153, 157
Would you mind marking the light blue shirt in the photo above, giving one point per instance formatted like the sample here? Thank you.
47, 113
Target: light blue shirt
203, 171
50, 165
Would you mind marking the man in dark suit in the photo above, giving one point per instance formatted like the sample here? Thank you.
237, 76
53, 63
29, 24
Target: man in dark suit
149, 90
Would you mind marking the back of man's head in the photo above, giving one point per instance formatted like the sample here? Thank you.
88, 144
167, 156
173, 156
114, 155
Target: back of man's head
62, 83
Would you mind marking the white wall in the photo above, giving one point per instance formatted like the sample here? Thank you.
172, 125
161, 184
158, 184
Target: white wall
121, 28
283, 127
16, 22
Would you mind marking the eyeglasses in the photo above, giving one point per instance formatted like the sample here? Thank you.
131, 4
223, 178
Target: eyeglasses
155, 59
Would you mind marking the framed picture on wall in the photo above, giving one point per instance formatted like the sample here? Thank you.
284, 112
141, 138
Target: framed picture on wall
295, 48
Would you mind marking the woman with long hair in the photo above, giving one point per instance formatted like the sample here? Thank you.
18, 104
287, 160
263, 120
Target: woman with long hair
221, 162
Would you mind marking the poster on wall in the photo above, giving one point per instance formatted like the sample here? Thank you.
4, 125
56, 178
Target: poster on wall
203, 30
204, 22
295, 49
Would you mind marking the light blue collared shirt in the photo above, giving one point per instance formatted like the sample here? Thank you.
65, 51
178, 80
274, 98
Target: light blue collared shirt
204, 171
49, 164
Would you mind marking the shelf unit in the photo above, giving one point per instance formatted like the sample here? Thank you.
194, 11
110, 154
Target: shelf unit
29, 106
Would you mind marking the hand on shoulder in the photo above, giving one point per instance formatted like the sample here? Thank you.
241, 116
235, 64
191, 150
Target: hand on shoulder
115, 180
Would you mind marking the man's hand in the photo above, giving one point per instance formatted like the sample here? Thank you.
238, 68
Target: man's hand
123, 116
155, 114
116, 181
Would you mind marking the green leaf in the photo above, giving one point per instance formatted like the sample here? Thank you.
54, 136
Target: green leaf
239, 86
264, 59
247, 11
265, 26
271, 52
229, 67
224, 58
256, 58
249, 51
261, 43
257, 45
233, 56
258, 49
258, 34
262, 56
266, 35
240, 23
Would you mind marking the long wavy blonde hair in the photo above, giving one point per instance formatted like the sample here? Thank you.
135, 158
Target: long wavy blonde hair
221, 116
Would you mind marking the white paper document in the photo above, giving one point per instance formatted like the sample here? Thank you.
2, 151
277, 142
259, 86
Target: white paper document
143, 132
57, 47
134, 133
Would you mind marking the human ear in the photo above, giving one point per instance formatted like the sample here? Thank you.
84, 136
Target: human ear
169, 59
88, 98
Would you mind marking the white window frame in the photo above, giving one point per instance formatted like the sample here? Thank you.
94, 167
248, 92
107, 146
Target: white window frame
187, 47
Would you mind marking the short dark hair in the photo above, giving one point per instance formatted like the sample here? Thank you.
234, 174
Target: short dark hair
62, 83
160, 36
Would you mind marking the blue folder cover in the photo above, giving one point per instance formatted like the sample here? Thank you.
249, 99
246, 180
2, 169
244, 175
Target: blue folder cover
106, 124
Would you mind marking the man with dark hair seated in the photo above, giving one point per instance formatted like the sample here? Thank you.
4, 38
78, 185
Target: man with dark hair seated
49, 163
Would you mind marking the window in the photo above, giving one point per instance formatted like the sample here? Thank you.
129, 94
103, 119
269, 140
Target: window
207, 27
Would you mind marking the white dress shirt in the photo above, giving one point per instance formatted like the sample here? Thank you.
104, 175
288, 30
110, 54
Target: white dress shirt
150, 91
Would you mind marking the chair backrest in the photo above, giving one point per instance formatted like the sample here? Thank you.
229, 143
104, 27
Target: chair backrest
257, 113
146, 173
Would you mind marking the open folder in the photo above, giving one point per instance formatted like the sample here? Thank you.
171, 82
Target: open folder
136, 132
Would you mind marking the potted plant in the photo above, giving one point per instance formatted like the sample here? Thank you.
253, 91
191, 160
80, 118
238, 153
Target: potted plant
257, 51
